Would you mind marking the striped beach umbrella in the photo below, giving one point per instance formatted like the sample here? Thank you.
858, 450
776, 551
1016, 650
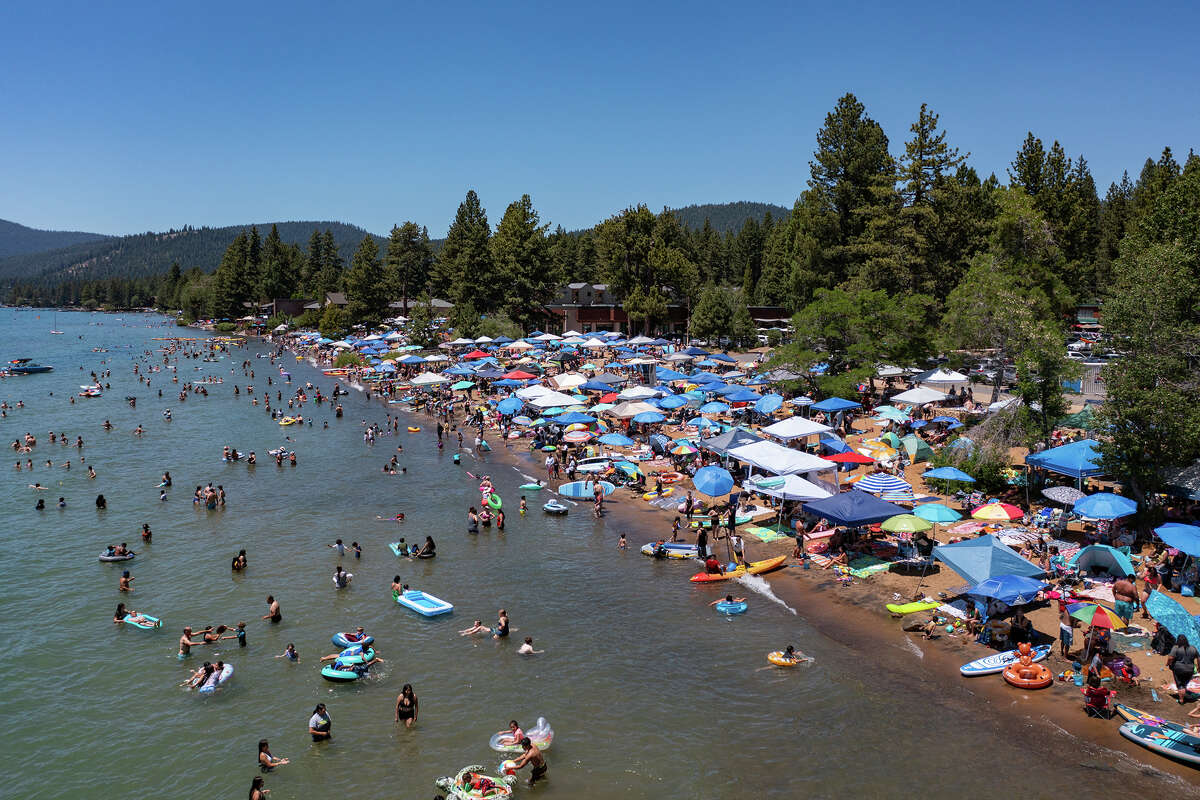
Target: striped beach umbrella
881, 482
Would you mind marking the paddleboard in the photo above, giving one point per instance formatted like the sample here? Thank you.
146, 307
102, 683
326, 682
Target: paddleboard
1130, 714
673, 549
909, 608
1167, 739
582, 490
990, 665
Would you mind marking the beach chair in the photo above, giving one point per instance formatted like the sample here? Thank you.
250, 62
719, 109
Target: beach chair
1098, 704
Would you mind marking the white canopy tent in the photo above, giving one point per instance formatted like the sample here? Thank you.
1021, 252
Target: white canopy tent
795, 428
428, 379
568, 380
919, 395
780, 460
626, 410
550, 399
638, 393
794, 488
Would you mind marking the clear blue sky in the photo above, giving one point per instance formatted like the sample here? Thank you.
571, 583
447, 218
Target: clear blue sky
127, 117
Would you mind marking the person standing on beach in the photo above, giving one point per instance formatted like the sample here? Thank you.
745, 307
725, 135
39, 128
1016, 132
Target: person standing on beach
1126, 597
319, 724
1066, 629
702, 543
1182, 660
689, 504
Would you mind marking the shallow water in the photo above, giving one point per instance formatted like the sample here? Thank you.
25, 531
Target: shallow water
651, 693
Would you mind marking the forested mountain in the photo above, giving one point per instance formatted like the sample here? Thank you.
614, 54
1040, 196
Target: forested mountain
727, 217
147, 254
17, 239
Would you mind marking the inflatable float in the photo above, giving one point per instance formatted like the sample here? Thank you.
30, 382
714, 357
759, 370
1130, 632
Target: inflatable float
494, 501
671, 549
413, 429
669, 477
666, 492
290, 420
155, 622
753, 568
470, 783
582, 490
554, 507
532, 487
423, 603
990, 665
123, 557
777, 658
1024, 673
542, 736
349, 665
909, 608
732, 608
351, 640
217, 680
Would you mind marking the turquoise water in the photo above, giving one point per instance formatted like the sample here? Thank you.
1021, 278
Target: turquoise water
651, 694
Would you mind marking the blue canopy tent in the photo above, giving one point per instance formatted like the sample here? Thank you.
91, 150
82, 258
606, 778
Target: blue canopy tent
596, 386
664, 374
983, 558
835, 404
743, 395
723, 357
1079, 460
1184, 538
1013, 590
854, 508
1102, 558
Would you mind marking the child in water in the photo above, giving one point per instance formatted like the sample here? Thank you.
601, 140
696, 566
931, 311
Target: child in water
289, 653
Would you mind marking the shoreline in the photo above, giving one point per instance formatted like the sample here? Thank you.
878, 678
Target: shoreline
853, 617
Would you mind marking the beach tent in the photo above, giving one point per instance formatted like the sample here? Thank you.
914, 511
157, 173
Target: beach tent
1184, 538
1173, 616
568, 380
793, 488
917, 448
891, 440
940, 375
631, 409
834, 404
574, 417
853, 508
795, 427
1078, 459
1102, 558
722, 444
983, 558
673, 401
768, 404
550, 399
779, 460
919, 396
637, 393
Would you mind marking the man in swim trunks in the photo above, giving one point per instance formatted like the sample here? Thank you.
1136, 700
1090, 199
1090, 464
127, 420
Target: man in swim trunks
273, 612
501, 629
186, 643
1126, 596
534, 758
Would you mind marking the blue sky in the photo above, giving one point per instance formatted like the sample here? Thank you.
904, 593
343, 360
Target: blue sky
127, 117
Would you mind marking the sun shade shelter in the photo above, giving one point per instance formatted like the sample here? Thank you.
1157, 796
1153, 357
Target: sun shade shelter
794, 428
722, 444
919, 396
1078, 459
1103, 559
779, 460
983, 558
853, 508
793, 488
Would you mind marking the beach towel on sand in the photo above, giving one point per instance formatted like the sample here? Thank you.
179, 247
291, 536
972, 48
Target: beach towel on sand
866, 566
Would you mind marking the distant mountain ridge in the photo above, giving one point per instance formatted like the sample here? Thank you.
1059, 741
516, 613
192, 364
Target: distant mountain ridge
727, 217
146, 254
17, 239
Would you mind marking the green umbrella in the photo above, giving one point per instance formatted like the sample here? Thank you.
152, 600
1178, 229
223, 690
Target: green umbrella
906, 523
462, 385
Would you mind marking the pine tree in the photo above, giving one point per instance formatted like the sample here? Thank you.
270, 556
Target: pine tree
522, 263
1115, 214
313, 263
278, 277
1028, 168
408, 261
331, 266
927, 158
463, 271
366, 291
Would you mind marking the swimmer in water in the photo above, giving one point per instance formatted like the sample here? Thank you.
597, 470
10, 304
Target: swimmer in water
501, 629
729, 599
185, 642
273, 612
125, 584
478, 627
289, 653
526, 649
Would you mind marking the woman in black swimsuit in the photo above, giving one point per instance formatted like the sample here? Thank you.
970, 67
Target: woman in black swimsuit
429, 549
472, 521
406, 706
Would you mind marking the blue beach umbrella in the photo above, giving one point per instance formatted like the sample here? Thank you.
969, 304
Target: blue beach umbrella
673, 401
615, 440
522, 420
713, 408
713, 481
768, 404
881, 482
1105, 505
936, 512
649, 417
948, 474
510, 405
1185, 538
702, 422
1013, 590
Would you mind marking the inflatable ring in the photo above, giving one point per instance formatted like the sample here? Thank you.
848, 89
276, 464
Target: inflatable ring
343, 640
776, 657
670, 477
494, 501
732, 608
412, 429
542, 735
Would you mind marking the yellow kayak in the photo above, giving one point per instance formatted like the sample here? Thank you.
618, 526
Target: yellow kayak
753, 568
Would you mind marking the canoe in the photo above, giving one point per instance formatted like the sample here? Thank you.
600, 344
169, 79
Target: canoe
674, 549
732, 608
582, 490
1165, 738
424, 604
754, 568
909, 608
990, 665
155, 622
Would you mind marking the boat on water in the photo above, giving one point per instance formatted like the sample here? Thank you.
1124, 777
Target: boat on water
26, 366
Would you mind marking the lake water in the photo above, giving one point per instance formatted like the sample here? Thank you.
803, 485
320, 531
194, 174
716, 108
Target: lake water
651, 694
